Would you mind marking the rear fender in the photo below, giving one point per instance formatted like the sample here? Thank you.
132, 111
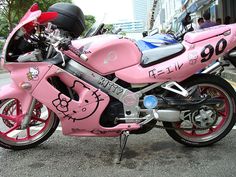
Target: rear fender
13, 91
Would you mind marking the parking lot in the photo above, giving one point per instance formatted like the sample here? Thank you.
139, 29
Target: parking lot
151, 154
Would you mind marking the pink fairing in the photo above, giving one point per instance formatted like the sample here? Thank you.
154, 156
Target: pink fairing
28, 73
189, 62
13, 91
21, 73
79, 116
207, 33
31, 16
27, 15
107, 53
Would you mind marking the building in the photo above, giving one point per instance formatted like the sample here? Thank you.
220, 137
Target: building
217, 8
153, 14
141, 11
130, 26
170, 12
164, 11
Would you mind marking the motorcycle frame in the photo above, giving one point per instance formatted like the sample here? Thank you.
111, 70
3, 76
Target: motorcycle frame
26, 87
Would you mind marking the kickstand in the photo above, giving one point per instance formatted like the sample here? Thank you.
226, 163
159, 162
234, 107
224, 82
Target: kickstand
125, 134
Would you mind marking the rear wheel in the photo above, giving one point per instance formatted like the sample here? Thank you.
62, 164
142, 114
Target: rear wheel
42, 125
215, 121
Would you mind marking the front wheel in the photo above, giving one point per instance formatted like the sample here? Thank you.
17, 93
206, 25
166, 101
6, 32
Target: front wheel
42, 125
209, 124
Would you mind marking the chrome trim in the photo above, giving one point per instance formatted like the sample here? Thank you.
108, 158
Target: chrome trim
25, 122
169, 85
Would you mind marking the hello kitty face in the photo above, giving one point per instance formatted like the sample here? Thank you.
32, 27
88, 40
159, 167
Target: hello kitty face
87, 105
33, 73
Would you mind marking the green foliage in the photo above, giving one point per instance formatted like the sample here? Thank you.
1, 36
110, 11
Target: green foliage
3, 26
1, 46
109, 27
122, 33
25, 5
11, 11
89, 21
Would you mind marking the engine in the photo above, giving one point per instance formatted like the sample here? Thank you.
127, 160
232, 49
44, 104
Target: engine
112, 111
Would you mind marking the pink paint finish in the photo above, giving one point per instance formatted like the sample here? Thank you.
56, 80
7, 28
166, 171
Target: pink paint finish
29, 17
79, 116
186, 64
13, 91
30, 72
107, 53
204, 34
80, 113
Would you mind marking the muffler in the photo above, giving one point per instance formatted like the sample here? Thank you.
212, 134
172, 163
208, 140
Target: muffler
168, 115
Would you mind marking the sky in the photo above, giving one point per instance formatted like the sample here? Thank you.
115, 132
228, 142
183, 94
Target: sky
107, 11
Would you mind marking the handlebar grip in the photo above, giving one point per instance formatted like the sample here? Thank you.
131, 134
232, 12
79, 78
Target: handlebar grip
77, 52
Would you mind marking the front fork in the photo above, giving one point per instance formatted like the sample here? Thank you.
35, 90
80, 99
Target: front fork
27, 102
26, 120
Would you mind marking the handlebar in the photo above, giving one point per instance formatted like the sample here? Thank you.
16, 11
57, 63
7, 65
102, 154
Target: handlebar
63, 43
77, 52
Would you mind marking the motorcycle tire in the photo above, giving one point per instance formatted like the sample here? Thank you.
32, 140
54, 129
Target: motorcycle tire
225, 114
42, 125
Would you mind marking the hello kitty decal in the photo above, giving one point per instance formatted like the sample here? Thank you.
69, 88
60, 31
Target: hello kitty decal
33, 74
87, 105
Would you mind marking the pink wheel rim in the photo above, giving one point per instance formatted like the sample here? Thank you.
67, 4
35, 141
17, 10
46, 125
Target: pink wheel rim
14, 115
224, 114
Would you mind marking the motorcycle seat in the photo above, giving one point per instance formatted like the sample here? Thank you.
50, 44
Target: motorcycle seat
206, 33
157, 40
161, 54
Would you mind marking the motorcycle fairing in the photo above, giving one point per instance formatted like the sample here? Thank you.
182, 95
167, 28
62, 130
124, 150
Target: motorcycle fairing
29, 18
196, 57
13, 91
206, 33
33, 15
33, 8
29, 73
106, 53
79, 116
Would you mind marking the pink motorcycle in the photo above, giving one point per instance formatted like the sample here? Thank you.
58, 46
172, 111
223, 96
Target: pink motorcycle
104, 86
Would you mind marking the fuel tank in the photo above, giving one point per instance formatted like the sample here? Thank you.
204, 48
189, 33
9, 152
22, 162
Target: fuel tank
106, 53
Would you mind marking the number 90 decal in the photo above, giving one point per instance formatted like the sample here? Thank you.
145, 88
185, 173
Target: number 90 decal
209, 50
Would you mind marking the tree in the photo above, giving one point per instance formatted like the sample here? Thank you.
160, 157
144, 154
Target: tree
13, 10
89, 21
109, 27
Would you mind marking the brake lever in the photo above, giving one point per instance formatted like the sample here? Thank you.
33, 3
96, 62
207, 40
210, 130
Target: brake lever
66, 45
62, 56
60, 52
